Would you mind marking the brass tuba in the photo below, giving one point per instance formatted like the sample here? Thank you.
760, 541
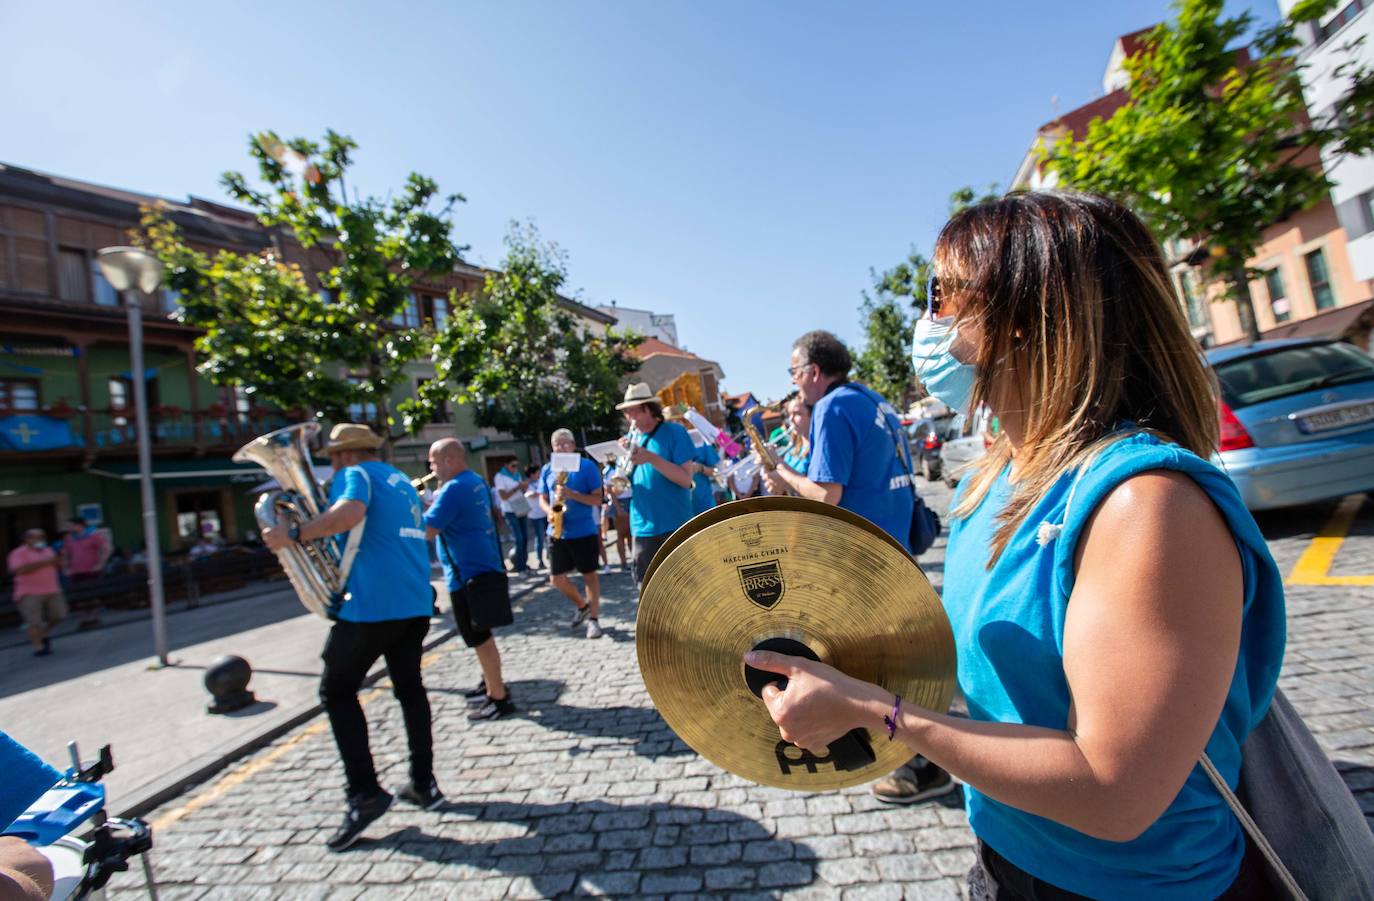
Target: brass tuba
318, 569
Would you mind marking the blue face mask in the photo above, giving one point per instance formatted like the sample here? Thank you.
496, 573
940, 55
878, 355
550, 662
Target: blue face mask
945, 377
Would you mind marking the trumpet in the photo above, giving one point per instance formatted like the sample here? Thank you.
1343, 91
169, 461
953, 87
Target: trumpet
620, 479
419, 484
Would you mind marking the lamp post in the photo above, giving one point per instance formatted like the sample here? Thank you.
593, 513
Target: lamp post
127, 268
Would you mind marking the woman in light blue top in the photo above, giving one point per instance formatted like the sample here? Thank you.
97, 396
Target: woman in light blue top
1115, 608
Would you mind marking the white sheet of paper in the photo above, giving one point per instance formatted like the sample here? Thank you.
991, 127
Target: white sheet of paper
605, 451
565, 462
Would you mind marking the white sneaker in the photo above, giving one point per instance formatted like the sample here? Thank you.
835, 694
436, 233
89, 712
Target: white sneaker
594, 629
606, 570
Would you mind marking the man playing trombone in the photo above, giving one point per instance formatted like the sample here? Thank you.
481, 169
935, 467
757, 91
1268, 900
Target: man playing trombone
385, 613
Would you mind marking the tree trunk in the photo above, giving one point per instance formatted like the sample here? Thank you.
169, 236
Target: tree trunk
1239, 284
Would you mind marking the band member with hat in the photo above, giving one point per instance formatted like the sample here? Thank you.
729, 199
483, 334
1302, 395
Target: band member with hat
385, 613
858, 454
460, 522
662, 498
579, 546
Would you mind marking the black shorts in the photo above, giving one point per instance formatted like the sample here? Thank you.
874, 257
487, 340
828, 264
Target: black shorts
582, 554
473, 637
645, 546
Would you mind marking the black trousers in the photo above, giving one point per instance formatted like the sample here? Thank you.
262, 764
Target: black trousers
349, 653
994, 878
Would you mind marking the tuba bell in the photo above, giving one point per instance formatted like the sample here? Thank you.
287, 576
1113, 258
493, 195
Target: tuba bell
318, 569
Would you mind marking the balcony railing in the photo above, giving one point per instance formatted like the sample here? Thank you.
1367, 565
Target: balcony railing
113, 430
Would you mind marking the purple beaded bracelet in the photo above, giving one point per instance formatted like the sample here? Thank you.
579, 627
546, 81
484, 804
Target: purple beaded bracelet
891, 721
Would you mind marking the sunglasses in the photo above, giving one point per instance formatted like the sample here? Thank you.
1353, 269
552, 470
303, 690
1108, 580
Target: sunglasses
934, 298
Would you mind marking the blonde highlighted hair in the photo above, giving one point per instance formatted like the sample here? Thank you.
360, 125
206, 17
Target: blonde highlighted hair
1081, 331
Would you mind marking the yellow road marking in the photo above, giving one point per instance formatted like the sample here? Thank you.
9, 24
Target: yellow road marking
1314, 564
245, 771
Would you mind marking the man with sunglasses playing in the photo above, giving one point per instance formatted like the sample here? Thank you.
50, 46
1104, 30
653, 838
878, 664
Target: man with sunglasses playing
859, 462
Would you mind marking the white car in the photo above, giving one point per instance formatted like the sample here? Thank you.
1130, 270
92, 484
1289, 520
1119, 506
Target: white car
965, 442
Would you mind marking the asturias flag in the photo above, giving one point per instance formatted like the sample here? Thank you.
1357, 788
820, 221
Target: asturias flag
36, 433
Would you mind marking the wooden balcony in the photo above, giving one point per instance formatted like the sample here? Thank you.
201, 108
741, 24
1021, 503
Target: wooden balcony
111, 432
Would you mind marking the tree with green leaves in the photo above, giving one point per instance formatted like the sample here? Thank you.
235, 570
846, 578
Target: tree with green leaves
521, 359
267, 329
1214, 144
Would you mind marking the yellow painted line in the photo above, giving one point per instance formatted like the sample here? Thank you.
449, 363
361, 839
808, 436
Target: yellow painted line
237, 776
1314, 565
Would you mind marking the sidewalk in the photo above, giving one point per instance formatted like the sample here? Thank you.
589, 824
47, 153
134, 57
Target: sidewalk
99, 687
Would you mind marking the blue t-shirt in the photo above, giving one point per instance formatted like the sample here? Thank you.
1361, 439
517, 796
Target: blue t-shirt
703, 496
1009, 628
659, 505
390, 574
578, 519
462, 513
851, 447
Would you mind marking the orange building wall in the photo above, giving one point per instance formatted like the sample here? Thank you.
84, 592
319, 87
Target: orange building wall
1285, 247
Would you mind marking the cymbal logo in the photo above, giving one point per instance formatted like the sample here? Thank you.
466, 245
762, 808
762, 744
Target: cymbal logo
751, 535
762, 582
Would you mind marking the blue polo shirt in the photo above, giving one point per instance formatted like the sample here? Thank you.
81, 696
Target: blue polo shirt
659, 505
461, 512
578, 519
703, 497
390, 575
851, 447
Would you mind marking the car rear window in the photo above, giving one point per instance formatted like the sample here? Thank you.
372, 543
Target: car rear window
1291, 370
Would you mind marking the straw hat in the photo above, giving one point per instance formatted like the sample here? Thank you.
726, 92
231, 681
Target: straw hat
636, 394
351, 436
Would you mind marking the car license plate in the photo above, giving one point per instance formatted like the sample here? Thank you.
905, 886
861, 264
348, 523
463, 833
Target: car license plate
1335, 419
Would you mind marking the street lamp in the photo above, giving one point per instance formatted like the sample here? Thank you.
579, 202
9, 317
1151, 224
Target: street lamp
127, 268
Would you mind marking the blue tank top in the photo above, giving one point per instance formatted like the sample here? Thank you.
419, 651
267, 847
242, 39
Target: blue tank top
1009, 627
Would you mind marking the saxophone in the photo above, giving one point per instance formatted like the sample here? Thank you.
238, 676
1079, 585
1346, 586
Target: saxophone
556, 511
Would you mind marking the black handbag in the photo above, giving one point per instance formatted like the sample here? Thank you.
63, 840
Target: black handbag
488, 597
925, 525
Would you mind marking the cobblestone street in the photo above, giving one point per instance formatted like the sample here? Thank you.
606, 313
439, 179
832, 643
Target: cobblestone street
587, 791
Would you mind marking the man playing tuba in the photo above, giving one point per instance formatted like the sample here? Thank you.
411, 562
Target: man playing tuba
385, 613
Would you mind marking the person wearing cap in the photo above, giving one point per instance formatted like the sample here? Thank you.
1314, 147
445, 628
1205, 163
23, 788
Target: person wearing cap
703, 463
385, 613
662, 498
579, 546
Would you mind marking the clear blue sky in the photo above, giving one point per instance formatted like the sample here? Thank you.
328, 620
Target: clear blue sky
740, 165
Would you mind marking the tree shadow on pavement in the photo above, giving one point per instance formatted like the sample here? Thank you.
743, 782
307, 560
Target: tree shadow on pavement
607, 848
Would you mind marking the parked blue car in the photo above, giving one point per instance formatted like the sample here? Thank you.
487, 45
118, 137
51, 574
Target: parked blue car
1297, 420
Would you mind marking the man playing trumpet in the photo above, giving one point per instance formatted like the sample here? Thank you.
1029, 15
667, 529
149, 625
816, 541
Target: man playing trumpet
662, 498
568, 499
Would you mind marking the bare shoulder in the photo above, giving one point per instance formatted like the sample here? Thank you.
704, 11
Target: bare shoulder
1162, 514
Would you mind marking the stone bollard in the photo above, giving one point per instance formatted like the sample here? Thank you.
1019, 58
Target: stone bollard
227, 681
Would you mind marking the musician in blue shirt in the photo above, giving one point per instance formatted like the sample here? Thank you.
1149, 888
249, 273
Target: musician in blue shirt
385, 613
578, 546
858, 462
460, 522
662, 498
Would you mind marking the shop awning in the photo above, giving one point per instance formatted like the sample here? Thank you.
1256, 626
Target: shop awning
216, 471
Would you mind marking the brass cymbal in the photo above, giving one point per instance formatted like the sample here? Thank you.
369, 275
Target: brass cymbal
805, 577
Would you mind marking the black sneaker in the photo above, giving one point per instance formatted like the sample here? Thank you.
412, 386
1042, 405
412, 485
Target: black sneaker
477, 694
493, 710
361, 813
427, 798
581, 616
